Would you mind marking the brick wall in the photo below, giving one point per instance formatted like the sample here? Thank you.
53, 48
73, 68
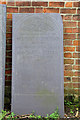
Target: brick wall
70, 12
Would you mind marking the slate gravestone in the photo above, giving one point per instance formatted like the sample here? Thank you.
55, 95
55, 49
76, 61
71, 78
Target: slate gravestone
37, 63
2, 52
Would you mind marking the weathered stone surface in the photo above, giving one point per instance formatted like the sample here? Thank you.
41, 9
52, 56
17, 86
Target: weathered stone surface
2, 52
37, 68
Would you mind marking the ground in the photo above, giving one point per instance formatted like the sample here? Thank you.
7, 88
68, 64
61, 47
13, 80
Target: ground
69, 114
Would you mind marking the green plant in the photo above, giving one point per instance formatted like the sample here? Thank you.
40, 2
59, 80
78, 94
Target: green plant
52, 116
71, 111
32, 116
4, 114
36, 116
39, 117
11, 116
70, 105
77, 105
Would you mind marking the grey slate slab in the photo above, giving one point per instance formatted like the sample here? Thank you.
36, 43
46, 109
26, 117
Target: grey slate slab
37, 63
2, 52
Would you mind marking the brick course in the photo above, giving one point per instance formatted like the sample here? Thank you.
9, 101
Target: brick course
70, 12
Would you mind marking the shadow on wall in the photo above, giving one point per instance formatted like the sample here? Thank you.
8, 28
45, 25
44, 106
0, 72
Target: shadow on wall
8, 66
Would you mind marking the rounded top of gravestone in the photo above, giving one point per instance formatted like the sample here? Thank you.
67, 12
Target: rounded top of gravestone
48, 23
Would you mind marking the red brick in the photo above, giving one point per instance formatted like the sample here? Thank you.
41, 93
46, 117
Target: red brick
9, 41
75, 79
9, 22
67, 30
6, 66
78, 35
78, 61
76, 67
69, 91
51, 10
8, 72
68, 4
78, 11
9, 29
5, 77
71, 49
26, 10
78, 49
56, 4
76, 42
76, 4
8, 35
8, 47
12, 9
76, 30
40, 4
67, 79
9, 16
76, 85
68, 11
76, 55
10, 3
76, 17
3, 2
23, 3
9, 66
68, 61
68, 67
69, 24
77, 91
67, 17
7, 83
68, 85
67, 42
79, 24
68, 73
39, 10
67, 55
9, 77
8, 59
9, 53
69, 36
